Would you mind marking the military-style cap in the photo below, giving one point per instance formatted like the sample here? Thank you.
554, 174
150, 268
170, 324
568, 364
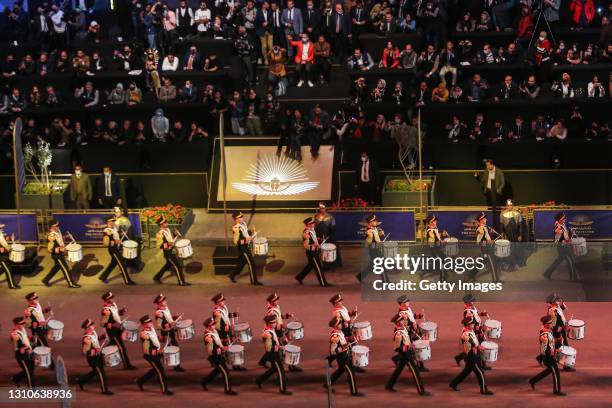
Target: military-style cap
108, 296
237, 214
161, 220
87, 323
209, 322
469, 298
553, 297
145, 319
335, 299
309, 220
218, 298
54, 223
403, 299
509, 202
559, 216
31, 296
481, 216
467, 320
269, 319
19, 320
371, 218
546, 319
397, 318
431, 218
273, 297
334, 322
322, 205
159, 298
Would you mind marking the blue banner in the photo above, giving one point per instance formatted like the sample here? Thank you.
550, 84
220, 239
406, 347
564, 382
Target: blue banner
460, 224
589, 224
350, 225
29, 227
88, 228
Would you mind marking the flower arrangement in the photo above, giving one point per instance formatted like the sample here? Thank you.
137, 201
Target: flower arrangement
349, 203
38, 159
407, 185
174, 214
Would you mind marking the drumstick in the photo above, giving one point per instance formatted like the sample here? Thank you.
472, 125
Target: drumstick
387, 236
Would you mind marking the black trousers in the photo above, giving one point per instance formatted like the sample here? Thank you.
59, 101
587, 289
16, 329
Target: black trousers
97, 370
59, 264
157, 369
173, 265
276, 367
115, 339
245, 258
219, 367
488, 250
551, 368
406, 359
313, 264
560, 335
26, 364
472, 364
322, 69
40, 335
564, 254
345, 365
116, 260
5, 267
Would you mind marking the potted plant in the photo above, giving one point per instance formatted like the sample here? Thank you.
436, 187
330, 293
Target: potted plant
41, 191
178, 217
402, 192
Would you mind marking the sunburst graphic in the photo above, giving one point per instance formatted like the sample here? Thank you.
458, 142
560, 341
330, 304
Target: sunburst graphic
273, 175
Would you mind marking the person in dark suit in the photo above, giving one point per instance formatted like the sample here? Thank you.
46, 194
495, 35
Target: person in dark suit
492, 181
107, 189
192, 61
312, 20
359, 20
388, 26
340, 32
366, 183
293, 23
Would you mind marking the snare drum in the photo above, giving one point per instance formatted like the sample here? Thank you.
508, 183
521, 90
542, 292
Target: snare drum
75, 252
111, 355
390, 249
185, 329
295, 330
489, 352
129, 249
292, 355
328, 252
17, 254
566, 356
575, 329
130, 331
579, 246
172, 356
235, 355
183, 248
362, 330
502, 248
243, 332
42, 356
361, 356
422, 350
493, 328
56, 330
429, 331
450, 246
260, 246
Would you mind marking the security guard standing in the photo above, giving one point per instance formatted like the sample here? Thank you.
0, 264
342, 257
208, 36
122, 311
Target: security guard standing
483, 238
151, 348
310, 242
410, 321
242, 238
216, 356
471, 311
55, 245
5, 266
547, 352
405, 353
373, 241
224, 322
562, 241
35, 319
165, 322
339, 350
165, 242
326, 229
273, 349
23, 353
473, 361
90, 346
111, 321
112, 242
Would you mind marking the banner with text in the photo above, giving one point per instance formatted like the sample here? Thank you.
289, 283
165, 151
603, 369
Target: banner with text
29, 227
589, 224
460, 224
398, 225
88, 228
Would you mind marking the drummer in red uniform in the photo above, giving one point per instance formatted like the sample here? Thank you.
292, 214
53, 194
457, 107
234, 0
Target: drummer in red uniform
562, 240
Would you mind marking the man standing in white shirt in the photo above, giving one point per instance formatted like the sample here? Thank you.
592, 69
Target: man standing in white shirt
202, 19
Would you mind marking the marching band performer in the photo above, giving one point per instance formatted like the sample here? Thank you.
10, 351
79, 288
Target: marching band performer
123, 225
405, 355
410, 321
111, 321
23, 353
242, 239
90, 346
5, 266
372, 243
112, 242
340, 350
342, 313
514, 229
216, 356
562, 241
57, 250
273, 349
152, 352
325, 228
434, 240
470, 311
165, 322
548, 348
36, 321
223, 322
473, 361
483, 238
311, 245
556, 308
165, 241
273, 309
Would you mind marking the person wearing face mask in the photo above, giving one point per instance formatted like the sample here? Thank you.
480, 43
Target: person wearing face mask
80, 188
244, 47
304, 58
107, 189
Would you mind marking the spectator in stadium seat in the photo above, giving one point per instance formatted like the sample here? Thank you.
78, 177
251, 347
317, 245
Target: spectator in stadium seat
322, 65
202, 17
276, 70
188, 93
583, 12
297, 133
170, 63
513, 55
466, 23
431, 22
359, 20
63, 63
487, 56
35, 99
595, 89
16, 102
184, 19
485, 23
52, 98
304, 57
178, 133
126, 59
264, 30
378, 92
539, 128
427, 63
551, 12
160, 126
196, 134
340, 31
399, 96
43, 64
574, 55
589, 55
87, 95
360, 61
498, 133
529, 90
575, 125
117, 96
466, 52
507, 91
218, 28
192, 60
97, 64
319, 123
408, 24
237, 113
456, 94
359, 92
440, 93
478, 130
518, 130
456, 129
244, 47
133, 94
292, 21
477, 89
125, 135
563, 88
525, 27
388, 25
408, 59
448, 62
79, 135
80, 63
94, 32
27, 66
9, 66
422, 95
558, 131
149, 26
167, 92
141, 134
390, 57
211, 63
312, 20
